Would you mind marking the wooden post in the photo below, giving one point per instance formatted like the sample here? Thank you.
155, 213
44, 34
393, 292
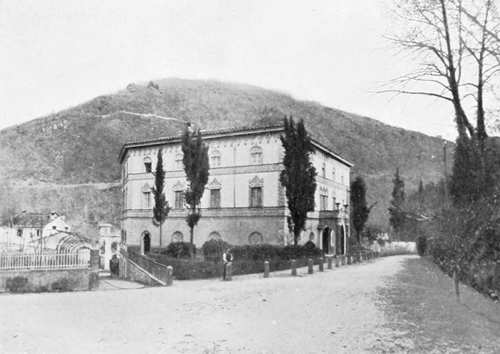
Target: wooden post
310, 264
266, 269
293, 265
170, 275
321, 265
330, 260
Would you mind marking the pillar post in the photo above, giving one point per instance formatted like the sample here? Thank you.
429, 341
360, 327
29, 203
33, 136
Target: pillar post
266, 269
293, 266
310, 264
170, 275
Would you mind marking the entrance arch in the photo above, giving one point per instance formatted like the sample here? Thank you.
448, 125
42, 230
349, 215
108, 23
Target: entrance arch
145, 242
326, 240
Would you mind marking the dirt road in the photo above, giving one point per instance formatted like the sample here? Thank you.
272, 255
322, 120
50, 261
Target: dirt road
332, 312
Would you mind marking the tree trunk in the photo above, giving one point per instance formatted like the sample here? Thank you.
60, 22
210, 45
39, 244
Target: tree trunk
191, 240
296, 235
456, 283
160, 234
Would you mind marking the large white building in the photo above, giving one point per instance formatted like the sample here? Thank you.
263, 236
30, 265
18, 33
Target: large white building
244, 202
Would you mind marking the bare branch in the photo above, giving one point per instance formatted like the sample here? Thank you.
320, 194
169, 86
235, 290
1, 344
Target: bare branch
422, 93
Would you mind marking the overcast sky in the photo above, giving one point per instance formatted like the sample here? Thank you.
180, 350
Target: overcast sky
56, 54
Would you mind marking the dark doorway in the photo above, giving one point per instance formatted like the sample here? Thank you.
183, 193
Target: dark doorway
146, 241
339, 241
326, 240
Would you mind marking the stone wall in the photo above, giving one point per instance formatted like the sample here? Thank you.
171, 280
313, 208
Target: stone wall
50, 280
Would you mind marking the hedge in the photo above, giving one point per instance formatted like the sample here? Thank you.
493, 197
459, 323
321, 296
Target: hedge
213, 249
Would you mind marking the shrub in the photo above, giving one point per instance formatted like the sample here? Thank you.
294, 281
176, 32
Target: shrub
256, 252
213, 249
296, 252
421, 245
63, 284
17, 284
185, 269
179, 250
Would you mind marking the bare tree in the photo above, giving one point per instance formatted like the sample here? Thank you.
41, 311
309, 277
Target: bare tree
456, 44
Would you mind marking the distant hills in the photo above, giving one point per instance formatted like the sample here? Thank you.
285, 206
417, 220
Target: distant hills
67, 161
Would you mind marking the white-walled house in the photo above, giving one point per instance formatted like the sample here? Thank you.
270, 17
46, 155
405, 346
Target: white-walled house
109, 241
244, 202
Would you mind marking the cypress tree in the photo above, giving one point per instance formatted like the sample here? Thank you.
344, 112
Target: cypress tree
359, 208
161, 207
196, 167
299, 175
396, 213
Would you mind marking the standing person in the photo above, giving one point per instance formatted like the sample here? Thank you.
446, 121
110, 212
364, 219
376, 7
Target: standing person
227, 257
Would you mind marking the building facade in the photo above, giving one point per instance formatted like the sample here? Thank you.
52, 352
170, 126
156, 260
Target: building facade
244, 202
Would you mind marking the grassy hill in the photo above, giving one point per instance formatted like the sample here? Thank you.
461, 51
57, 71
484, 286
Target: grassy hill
49, 161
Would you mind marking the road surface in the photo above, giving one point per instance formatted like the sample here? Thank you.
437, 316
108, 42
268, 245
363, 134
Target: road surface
352, 309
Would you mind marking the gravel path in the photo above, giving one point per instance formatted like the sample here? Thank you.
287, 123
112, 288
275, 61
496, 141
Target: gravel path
334, 311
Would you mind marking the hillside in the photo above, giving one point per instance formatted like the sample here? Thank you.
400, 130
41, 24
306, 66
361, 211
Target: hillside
78, 147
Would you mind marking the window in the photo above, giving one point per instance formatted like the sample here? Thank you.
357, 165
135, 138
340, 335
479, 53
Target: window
215, 158
255, 197
342, 179
19, 232
53, 227
179, 200
147, 200
146, 196
255, 238
323, 202
178, 161
125, 198
323, 170
147, 164
256, 155
215, 198
333, 173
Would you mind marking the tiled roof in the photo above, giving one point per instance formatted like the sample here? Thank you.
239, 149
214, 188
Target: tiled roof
212, 134
35, 220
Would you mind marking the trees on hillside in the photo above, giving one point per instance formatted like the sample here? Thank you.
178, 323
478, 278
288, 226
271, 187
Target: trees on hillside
359, 209
299, 175
196, 167
396, 212
161, 207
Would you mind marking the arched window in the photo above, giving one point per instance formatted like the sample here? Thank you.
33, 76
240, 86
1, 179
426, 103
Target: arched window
177, 236
178, 161
147, 164
215, 158
256, 155
214, 235
255, 238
